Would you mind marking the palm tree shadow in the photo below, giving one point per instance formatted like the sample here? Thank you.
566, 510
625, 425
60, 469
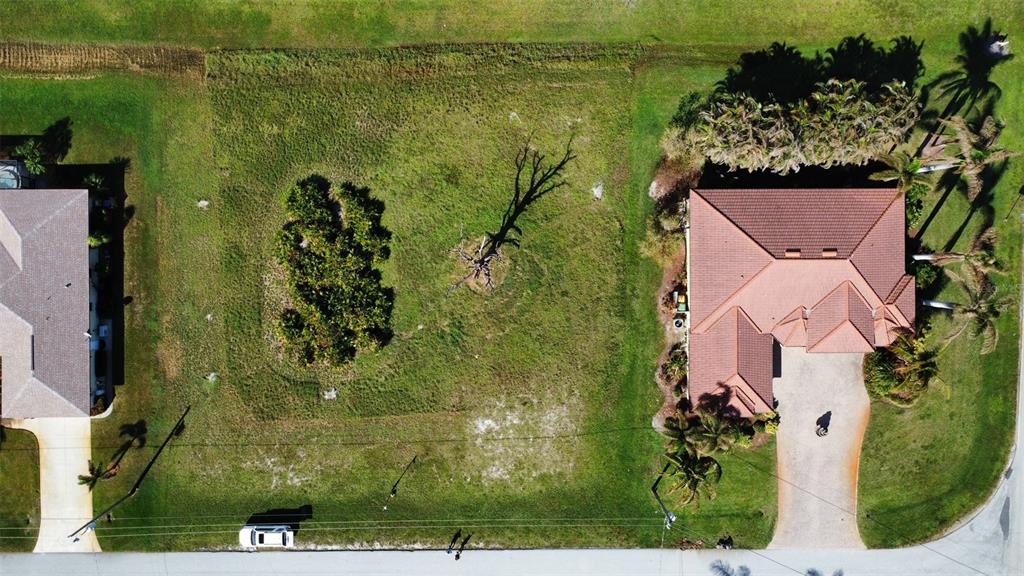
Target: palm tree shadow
783, 74
983, 203
970, 82
719, 402
135, 436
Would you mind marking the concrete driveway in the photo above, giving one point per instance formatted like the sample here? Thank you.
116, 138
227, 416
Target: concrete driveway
818, 474
65, 446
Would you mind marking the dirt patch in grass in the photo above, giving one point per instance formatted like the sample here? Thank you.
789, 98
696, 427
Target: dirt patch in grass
517, 443
51, 60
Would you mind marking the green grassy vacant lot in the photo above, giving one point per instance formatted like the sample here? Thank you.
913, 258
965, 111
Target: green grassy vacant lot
530, 409
19, 491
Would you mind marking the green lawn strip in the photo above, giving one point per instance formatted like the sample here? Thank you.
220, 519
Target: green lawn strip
19, 491
926, 467
321, 23
161, 126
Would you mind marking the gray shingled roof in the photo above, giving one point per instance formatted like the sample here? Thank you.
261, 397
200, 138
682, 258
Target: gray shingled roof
44, 303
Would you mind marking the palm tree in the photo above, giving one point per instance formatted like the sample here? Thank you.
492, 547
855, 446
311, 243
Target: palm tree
976, 150
980, 312
706, 432
980, 258
693, 477
97, 471
905, 170
916, 364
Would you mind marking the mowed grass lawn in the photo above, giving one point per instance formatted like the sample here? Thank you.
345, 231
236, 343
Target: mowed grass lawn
528, 409
479, 393
926, 467
19, 490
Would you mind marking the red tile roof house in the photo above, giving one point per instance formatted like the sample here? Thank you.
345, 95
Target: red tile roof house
818, 269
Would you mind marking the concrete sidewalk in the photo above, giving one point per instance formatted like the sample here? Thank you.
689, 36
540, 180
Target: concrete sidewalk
65, 446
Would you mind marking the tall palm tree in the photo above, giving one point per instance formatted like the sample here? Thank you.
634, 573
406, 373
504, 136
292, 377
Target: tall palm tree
97, 471
980, 258
976, 151
693, 477
979, 312
705, 433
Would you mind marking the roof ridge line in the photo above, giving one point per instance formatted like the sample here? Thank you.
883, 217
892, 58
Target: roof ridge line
837, 327
700, 325
865, 279
58, 211
733, 222
894, 294
874, 224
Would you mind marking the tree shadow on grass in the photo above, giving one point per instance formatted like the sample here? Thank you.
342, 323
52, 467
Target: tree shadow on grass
983, 204
782, 74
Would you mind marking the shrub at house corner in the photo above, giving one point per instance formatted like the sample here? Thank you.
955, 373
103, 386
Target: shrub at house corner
330, 248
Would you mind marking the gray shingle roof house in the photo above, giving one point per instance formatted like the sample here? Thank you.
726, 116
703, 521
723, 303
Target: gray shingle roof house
44, 303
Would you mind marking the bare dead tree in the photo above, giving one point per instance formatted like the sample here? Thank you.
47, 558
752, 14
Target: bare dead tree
542, 179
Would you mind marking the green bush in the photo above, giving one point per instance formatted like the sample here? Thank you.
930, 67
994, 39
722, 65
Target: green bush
925, 274
329, 247
99, 238
915, 195
900, 373
30, 152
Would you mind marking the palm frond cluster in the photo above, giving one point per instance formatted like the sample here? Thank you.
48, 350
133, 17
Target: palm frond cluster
841, 123
696, 437
900, 373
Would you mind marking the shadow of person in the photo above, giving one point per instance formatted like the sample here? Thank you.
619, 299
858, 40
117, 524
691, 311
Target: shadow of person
824, 420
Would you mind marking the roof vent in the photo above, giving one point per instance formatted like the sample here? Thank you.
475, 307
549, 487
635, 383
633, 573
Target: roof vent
792, 252
829, 252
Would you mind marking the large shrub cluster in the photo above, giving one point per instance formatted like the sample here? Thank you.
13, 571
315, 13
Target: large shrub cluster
841, 123
779, 110
330, 248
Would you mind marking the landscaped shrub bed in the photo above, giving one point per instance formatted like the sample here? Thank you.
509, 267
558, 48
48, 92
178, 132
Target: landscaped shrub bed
330, 248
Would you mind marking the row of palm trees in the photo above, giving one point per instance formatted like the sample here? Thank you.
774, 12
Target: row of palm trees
969, 150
